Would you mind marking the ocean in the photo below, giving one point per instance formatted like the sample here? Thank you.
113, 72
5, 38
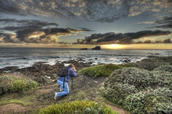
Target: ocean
26, 57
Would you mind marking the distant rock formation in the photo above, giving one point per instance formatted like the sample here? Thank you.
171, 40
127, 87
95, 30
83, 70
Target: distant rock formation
84, 49
96, 48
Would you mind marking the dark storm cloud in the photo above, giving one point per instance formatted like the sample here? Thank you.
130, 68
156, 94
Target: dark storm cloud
8, 6
26, 35
120, 37
85, 29
165, 23
22, 24
32, 31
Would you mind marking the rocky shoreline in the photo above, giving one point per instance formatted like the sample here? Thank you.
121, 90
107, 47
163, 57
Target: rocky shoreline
43, 73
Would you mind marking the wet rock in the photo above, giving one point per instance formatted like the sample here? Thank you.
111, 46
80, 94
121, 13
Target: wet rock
9, 69
126, 60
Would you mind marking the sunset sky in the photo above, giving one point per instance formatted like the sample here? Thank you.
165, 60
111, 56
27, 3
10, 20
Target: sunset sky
54, 21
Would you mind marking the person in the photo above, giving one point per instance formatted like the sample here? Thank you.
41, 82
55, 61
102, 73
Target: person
63, 81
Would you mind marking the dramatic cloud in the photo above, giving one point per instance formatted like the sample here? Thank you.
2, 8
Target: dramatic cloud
13, 24
45, 35
165, 23
91, 10
155, 39
32, 31
121, 38
37, 35
35, 21
8, 37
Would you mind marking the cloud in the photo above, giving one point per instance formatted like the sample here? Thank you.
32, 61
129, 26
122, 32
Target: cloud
91, 10
147, 22
50, 35
33, 31
11, 6
13, 24
85, 29
165, 23
120, 37
8, 37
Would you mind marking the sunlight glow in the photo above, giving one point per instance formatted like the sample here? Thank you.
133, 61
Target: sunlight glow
112, 46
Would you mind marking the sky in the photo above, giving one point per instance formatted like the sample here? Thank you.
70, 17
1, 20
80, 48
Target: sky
54, 21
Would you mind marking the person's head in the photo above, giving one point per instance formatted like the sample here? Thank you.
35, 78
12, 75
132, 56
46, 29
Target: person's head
72, 66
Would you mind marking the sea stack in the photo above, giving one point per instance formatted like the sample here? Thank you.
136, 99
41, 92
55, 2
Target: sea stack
96, 48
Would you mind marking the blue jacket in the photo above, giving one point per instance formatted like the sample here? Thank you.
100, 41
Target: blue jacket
71, 73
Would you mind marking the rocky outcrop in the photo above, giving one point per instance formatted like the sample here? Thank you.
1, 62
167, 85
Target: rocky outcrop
96, 48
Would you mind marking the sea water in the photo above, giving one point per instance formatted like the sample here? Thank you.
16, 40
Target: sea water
26, 57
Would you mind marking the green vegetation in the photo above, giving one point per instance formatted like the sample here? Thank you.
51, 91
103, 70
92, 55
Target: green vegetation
102, 70
77, 107
15, 84
153, 62
23, 100
150, 101
140, 91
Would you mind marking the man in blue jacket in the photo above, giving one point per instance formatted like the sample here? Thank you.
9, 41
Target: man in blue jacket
63, 81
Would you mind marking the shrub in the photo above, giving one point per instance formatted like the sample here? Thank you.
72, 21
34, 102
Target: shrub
11, 84
77, 107
133, 76
129, 87
150, 101
117, 92
102, 70
167, 68
162, 78
152, 63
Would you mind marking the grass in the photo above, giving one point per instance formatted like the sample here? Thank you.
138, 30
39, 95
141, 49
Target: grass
102, 70
25, 101
77, 107
15, 84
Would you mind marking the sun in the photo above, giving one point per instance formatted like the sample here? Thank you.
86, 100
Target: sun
112, 46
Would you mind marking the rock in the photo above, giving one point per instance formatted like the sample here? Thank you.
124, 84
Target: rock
84, 49
96, 48
126, 60
9, 69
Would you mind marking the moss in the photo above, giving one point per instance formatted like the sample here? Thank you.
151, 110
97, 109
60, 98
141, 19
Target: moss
13, 84
102, 70
77, 107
